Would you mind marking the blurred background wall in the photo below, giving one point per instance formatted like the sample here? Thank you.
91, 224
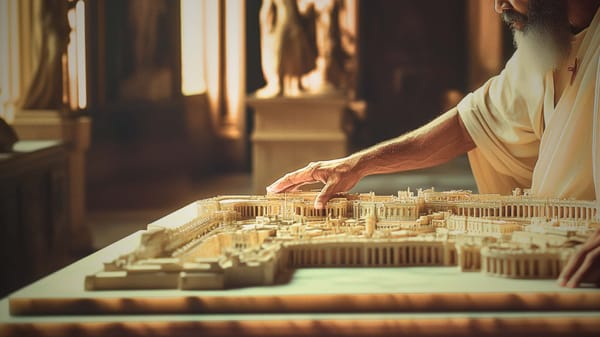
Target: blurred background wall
415, 59
149, 96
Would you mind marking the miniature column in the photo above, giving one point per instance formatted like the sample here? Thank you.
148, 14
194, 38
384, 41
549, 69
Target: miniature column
511, 266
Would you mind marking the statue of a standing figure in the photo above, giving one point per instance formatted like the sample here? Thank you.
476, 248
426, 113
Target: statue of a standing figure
288, 47
333, 64
332, 51
46, 88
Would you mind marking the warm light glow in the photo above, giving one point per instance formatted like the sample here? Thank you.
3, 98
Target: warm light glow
9, 58
4, 75
65, 74
213, 59
15, 59
234, 60
349, 19
76, 66
81, 65
72, 61
212, 64
192, 46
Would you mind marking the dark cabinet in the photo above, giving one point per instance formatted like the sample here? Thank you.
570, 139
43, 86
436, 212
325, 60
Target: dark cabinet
33, 212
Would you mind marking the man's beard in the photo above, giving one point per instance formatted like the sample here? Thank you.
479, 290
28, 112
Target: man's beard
544, 38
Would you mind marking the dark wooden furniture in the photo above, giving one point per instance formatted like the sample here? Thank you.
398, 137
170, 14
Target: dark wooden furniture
33, 212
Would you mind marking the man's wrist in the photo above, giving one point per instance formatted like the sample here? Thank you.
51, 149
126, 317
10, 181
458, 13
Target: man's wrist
361, 164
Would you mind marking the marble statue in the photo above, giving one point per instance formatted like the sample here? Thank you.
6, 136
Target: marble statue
45, 90
288, 48
333, 39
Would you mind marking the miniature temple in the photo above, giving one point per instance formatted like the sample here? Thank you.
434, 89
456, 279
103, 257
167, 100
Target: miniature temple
235, 241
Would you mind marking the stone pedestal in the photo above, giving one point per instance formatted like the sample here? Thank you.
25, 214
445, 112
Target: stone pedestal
290, 132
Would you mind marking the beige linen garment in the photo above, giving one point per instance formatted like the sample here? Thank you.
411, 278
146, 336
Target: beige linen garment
516, 147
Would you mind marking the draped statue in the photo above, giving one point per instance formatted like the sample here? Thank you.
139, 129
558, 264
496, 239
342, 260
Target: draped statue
287, 46
45, 90
304, 46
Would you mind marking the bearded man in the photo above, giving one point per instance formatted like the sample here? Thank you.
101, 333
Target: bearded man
535, 125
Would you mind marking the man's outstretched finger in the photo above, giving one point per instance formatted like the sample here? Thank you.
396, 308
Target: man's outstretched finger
326, 193
290, 181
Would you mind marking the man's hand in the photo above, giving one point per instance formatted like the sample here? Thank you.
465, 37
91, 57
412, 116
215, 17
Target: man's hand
584, 266
435, 143
338, 175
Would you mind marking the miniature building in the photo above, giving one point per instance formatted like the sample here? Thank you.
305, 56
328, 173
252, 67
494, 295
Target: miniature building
233, 241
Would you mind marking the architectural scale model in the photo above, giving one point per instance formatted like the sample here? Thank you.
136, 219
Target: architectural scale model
234, 241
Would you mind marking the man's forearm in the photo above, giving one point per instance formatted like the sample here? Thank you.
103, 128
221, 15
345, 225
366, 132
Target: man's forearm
435, 143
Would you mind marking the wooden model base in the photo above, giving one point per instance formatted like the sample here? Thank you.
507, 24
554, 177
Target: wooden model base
237, 241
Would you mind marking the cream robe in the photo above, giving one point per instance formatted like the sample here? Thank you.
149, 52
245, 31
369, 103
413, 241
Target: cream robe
515, 148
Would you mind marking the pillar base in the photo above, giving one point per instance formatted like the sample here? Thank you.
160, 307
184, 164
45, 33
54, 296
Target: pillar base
290, 132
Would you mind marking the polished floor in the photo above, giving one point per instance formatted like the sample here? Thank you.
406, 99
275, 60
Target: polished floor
122, 208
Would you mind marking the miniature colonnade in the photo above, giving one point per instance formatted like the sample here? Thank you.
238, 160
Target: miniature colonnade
370, 254
480, 225
335, 209
586, 211
252, 209
507, 264
409, 209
